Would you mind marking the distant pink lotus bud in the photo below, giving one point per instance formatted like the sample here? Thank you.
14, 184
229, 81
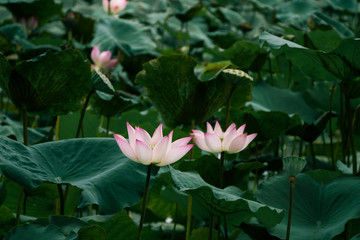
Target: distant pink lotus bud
215, 140
103, 60
30, 23
115, 5
158, 150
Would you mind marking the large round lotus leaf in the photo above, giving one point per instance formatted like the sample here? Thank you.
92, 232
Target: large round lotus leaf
246, 55
34, 231
54, 83
285, 101
42, 9
95, 165
344, 5
108, 108
268, 125
342, 63
295, 12
57, 227
130, 36
320, 209
224, 201
177, 92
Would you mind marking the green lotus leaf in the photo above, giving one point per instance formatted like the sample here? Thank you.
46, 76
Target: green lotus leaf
246, 55
36, 232
320, 209
223, 201
267, 124
110, 107
296, 12
348, 5
286, 101
178, 94
52, 83
342, 63
97, 166
342, 29
131, 37
121, 226
42, 9
293, 165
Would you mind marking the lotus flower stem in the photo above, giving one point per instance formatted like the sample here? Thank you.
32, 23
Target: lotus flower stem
142, 218
211, 227
292, 185
222, 160
57, 128
175, 222
332, 90
313, 154
189, 210
109, 7
107, 126
82, 114
62, 199
25, 129
188, 220
22, 190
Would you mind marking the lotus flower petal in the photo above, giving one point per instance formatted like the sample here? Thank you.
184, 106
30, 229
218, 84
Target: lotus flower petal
249, 139
238, 143
157, 136
199, 140
95, 53
143, 152
241, 129
175, 154
218, 131
213, 142
125, 147
105, 57
103, 60
209, 128
131, 134
142, 135
181, 141
160, 150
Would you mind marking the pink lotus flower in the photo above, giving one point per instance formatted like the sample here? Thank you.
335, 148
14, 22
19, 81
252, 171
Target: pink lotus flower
215, 140
158, 150
103, 60
115, 5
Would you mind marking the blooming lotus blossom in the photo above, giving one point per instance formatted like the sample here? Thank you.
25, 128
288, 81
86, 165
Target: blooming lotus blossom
215, 140
157, 149
115, 5
103, 60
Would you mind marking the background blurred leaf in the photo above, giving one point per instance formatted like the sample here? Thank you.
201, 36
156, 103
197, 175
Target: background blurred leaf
54, 83
320, 210
131, 37
285, 101
178, 94
42, 9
